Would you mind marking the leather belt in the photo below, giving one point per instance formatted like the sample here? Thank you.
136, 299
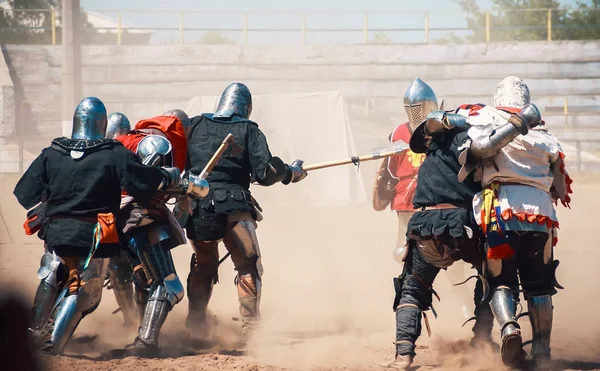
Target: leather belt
88, 219
440, 207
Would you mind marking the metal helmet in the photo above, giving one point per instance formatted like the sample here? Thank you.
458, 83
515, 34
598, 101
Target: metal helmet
89, 119
118, 124
512, 92
182, 116
419, 100
235, 100
155, 150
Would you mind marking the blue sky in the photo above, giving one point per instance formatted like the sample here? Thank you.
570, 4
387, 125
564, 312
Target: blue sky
385, 19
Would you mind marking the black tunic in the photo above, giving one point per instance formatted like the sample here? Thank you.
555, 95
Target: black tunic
77, 190
244, 162
438, 184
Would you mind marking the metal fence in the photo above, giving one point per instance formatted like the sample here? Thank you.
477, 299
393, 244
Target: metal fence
17, 153
544, 23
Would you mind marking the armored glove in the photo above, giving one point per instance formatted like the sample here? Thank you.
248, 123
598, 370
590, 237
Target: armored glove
196, 186
170, 177
528, 118
297, 172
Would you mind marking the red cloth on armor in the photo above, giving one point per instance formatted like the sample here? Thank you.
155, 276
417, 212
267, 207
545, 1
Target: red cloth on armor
405, 167
170, 126
131, 140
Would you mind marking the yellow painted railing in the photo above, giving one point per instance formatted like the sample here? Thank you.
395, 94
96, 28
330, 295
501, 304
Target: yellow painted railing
245, 28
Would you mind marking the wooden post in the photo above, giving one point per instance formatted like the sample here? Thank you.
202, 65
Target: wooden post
119, 29
71, 61
53, 16
549, 24
487, 27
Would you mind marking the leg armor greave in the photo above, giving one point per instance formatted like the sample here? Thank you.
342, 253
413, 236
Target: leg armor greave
76, 305
200, 283
249, 287
540, 315
166, 290
245, 253
52, 274
120, 277
503, 305
162, 299
141, 288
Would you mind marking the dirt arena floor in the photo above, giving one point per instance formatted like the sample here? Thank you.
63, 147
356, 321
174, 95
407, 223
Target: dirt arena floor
327, 299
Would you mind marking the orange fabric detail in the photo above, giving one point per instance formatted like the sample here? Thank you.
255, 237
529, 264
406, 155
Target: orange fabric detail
500, 252
108, 228
566, 202
405, 167
74, 281
509, 109
472, 108
530, 218
29, 231
131, 141
173, 129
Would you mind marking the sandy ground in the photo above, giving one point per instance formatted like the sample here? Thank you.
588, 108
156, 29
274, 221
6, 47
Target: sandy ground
327, 299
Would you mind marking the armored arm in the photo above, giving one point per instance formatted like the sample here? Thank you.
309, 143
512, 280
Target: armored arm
266, 168
486, 141
438, 122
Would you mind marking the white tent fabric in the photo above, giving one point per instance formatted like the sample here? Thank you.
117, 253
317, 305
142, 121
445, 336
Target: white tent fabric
313, 127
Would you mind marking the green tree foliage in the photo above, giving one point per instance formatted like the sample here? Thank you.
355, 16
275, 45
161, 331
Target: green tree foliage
527, 20
380, 38
24, 23
30, 22
214, 38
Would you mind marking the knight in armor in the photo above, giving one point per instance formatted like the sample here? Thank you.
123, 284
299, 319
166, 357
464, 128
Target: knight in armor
79, 182
120, 272
150, 229
229, 213
396, 183
442, 230
118, 124
396, 179
516, 213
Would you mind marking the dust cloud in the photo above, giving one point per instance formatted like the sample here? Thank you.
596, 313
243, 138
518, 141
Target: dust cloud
327, 298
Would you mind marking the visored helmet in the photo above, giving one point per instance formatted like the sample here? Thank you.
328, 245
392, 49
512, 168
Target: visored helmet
512, 92
419, 100
118, 124
155, 150
89, 119
235, 100
182, 116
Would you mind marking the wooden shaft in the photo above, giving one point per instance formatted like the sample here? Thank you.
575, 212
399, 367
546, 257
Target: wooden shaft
351, 160
215, 158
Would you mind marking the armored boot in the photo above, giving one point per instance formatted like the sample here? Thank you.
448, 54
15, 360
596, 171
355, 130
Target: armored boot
540, 315
249, 289
120, 278
141, 292
503, 305
53, 274
200, 285
401, 362
83, 297
163, 297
